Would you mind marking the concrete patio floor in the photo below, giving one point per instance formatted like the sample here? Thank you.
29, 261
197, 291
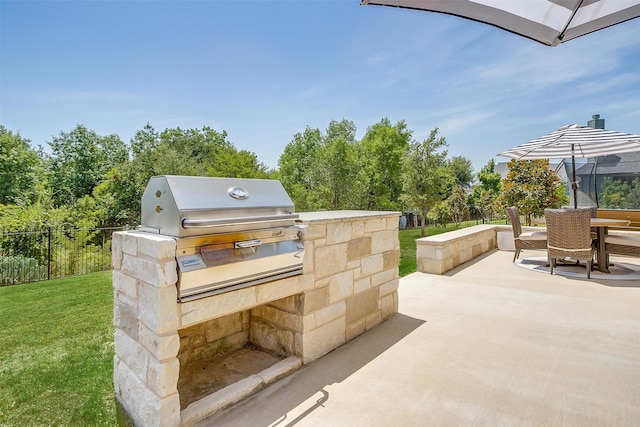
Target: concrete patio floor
487, 344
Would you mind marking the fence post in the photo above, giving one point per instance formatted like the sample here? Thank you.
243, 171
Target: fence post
49, 253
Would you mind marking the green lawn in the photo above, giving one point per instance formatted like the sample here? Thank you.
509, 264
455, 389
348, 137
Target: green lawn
56, 344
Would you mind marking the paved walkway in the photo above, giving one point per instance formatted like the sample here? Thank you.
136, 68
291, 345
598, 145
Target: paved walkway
488, 344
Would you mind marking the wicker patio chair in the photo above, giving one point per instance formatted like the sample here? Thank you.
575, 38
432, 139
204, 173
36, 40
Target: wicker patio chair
622, 245
594, 214
569, 236
593, 209
528, 240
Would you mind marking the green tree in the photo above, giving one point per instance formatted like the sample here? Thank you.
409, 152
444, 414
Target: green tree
490, 180
340, 166
620, 194
323, 171
144, 141
462, 170
485, 194
381, 151
239, 164
426, 176
79, 161
201, 146
195, 152
121, 190
20, 169
485, 204
32, 217
440, 213
531, 187
339, 182
458, 205
298, 168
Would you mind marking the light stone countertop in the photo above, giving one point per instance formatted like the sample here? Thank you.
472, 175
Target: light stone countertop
343, 215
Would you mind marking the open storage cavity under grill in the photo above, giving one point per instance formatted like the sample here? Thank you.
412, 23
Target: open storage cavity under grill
230, 232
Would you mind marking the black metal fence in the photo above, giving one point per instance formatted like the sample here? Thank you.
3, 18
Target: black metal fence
30, 256
474, 218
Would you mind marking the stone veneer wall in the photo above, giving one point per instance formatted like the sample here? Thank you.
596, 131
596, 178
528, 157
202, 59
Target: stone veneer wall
349, 284
354, 259
276, 325
212, 338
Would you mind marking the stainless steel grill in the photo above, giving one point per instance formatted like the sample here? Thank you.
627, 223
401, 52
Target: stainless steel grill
230, 233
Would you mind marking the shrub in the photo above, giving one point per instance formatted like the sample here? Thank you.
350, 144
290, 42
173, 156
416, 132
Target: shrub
19, 269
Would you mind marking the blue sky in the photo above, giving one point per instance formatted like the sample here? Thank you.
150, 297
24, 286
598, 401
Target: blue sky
264, 70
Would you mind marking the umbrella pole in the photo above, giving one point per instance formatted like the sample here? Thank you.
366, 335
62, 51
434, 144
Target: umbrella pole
574, 184
595, 183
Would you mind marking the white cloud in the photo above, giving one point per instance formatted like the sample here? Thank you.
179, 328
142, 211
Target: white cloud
86, 97
462, 123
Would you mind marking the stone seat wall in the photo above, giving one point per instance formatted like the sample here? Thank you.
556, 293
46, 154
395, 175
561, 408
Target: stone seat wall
443, 252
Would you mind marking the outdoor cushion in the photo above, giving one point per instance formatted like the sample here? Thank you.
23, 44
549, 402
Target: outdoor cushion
622, 240
533, 235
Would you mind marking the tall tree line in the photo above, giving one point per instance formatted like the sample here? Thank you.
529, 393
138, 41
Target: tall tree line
387, 170
92, 180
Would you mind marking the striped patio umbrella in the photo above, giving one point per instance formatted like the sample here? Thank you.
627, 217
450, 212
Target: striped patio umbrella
549, 22
575, 141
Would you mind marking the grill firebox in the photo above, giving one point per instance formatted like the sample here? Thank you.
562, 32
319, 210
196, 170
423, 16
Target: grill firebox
230, 232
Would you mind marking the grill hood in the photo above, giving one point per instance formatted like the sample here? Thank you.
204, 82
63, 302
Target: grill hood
183, 206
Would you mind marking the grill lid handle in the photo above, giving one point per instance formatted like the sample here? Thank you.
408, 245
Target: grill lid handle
248, 244
223, 222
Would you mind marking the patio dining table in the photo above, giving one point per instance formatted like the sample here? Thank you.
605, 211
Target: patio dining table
602, 225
